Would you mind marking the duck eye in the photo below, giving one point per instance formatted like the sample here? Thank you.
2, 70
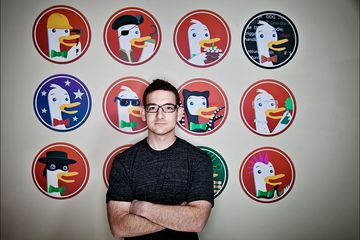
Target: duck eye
273, 35
262, 35
65, 168
271, 171
53, 30
203, 103
66, 31
206, 34
54, 99
191, 103
259, 172
260, 104
194, 34
52, 167
137, 32
66, 99
272, 104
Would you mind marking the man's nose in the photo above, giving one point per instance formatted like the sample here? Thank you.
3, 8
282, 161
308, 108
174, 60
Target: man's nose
160, 113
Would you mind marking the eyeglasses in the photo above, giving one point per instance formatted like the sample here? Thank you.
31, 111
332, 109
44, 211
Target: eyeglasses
126, 101
166, 108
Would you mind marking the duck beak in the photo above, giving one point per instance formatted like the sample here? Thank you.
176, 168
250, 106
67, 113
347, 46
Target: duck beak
203, 43
271, 180
206, 112
134, 111
69, 38
274, 111
61, 176
134, 41
69, 105
271, 45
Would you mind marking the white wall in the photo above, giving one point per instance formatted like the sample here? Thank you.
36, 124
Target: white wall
322, 142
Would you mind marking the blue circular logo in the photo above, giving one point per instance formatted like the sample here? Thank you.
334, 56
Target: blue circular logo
62, 102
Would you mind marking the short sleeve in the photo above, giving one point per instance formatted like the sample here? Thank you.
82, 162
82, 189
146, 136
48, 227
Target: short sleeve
201, 187
119, 182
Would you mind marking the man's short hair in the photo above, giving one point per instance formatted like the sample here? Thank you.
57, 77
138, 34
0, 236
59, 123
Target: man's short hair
159, 84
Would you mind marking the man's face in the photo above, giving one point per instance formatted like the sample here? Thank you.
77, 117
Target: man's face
161, 123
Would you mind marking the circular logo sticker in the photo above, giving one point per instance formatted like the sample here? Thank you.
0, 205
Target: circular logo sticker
220, 170
202, 38
62, 102
267, 175
205, 106
61, 34
60, 170
269, 39
268, 107
132, 36
109, 160
122, 105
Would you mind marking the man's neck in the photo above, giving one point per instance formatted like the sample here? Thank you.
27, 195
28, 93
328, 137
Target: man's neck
159, 143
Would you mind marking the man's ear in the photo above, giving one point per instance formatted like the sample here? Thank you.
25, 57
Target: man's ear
142, 111
180, 113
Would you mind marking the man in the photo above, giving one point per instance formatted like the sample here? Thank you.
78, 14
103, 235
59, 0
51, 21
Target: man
161, 187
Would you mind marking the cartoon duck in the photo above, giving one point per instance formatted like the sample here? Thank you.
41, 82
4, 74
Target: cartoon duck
59, 102
196, 104
267, 38
265, 106
57, 169
264, 174
199, 37
58, 32
128, 104
129, 36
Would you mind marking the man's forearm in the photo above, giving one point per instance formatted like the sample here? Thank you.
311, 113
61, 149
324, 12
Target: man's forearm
188, 218
130, 225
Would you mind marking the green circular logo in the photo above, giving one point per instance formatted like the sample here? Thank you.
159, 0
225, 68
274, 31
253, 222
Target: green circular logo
220, 170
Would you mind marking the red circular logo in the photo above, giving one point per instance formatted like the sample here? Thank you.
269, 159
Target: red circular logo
61, 34
205, 106
132, 36
268, 107
202, 38
122, 105
109, 160
60, 170
267, 175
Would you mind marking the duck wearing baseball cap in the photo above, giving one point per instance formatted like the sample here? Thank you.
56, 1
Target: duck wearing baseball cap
129, 35
59, 37
57, 169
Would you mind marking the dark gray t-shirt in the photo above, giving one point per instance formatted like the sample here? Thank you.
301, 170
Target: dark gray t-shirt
180, 173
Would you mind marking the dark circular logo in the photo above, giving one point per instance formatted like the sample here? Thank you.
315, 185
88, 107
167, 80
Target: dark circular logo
220, 170
270, 39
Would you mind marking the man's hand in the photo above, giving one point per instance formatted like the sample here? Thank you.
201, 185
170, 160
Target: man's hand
137, 206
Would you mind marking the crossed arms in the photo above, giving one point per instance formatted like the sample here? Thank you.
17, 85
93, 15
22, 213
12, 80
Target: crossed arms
129, 219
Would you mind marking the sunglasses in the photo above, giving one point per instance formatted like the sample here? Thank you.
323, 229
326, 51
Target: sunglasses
126, 102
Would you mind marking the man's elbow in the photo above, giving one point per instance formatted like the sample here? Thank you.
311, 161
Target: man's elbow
199, 226
116, 232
